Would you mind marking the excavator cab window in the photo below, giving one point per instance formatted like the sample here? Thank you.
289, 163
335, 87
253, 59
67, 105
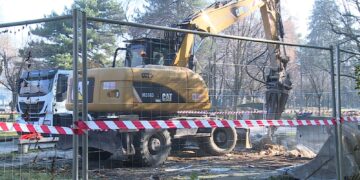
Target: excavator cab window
161, 53
149, 51
135, 55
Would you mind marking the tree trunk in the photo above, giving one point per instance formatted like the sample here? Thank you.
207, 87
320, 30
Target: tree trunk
14, 101
319, 104
13, 104
215, 104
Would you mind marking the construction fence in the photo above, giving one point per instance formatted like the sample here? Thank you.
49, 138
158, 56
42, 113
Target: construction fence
303, 143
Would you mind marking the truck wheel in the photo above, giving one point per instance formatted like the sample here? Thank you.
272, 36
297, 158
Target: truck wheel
221, 141
152, 148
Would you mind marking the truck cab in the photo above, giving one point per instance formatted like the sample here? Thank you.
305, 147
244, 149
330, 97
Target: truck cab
41, 94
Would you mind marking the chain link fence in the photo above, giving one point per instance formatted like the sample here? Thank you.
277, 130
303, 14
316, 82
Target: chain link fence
124, 140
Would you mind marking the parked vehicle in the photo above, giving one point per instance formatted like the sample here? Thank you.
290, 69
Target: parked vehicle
42, 93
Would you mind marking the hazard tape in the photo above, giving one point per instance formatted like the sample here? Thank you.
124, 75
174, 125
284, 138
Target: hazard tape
118, 124
192, 124
31, 128
262, 112
126, 125
237, 112
220, 112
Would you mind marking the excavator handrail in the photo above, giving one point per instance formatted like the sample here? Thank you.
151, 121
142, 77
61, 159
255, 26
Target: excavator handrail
115, 55
150, 26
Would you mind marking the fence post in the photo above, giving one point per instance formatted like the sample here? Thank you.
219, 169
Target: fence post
75, 162
85, 96
338, 113
335, 113
333, 98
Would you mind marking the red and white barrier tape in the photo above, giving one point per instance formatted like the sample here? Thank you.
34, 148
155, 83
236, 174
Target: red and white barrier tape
192, 124
259, 112
117, 124
232, 112
19, 127
220, 112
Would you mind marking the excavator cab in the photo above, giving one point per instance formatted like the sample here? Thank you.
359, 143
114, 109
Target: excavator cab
146, 51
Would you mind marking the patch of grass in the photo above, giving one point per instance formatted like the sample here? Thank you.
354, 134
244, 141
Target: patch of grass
15, 154
194, 176
4, 117
24, 174
8, 155
287, 134
287, 116
7, 134
27, 174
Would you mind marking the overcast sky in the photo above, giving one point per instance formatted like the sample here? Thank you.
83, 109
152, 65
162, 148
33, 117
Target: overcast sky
300, 11
19, 10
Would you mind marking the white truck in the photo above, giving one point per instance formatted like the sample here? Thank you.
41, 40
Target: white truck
41, 94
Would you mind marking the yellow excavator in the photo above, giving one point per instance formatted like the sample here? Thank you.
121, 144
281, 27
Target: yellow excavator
158, 81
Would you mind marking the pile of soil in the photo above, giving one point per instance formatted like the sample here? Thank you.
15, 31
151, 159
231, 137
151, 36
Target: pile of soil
301, 151
273, 150
265, 146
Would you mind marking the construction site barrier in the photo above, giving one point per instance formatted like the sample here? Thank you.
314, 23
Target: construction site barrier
192, 124
32, 128
230, 112
353, 113
126, 125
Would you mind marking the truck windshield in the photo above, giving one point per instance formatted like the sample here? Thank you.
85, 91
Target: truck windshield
35, 86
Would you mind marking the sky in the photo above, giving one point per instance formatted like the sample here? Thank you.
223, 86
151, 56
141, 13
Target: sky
300, 11
19, 10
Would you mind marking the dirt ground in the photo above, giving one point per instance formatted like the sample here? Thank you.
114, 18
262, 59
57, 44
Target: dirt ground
189, 164
192, 165
263, 163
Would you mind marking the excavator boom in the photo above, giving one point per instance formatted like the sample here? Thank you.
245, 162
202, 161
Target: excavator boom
220, 16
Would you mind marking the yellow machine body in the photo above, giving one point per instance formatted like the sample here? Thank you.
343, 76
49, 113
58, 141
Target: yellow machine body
149, 88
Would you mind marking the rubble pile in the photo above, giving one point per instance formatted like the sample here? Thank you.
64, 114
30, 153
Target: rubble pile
265, 146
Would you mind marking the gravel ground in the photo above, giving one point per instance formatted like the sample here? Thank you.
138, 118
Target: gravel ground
182, 165
188, 164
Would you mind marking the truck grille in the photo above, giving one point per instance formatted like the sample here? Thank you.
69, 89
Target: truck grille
32, 108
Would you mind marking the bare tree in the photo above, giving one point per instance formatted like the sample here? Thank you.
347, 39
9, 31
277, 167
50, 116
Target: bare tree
12, 68
346, 24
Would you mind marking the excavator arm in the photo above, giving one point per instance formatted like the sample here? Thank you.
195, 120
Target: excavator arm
220, 16
213, 19
278, 81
